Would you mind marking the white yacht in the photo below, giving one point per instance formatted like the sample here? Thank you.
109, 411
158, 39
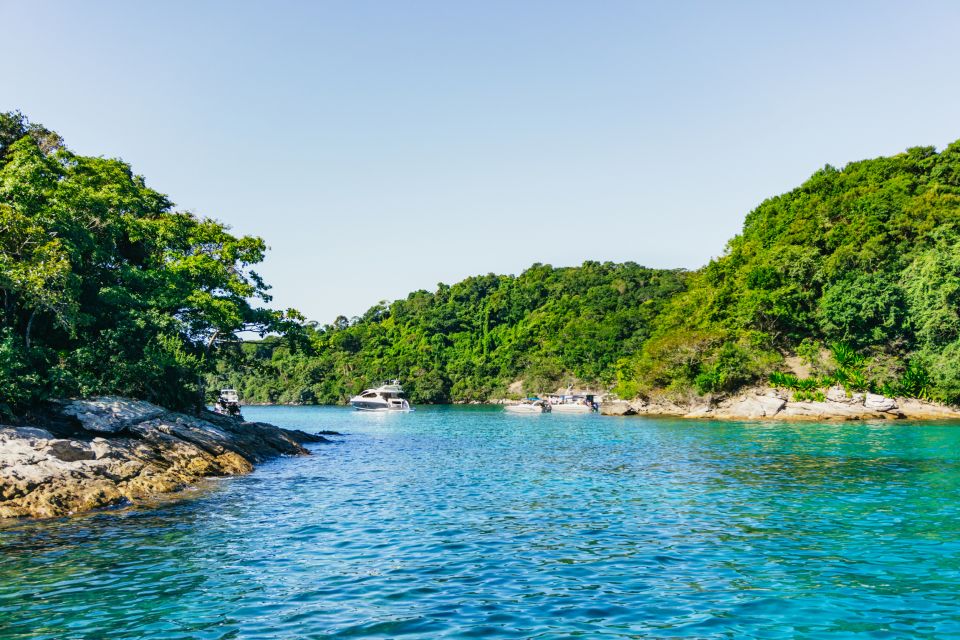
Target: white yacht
228, 403
572, 404
386, 397
530, 405
570, 407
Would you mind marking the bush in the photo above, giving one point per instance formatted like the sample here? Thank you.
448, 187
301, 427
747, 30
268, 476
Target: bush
20, 383
916, 381
108, 289
729, 367
943, 374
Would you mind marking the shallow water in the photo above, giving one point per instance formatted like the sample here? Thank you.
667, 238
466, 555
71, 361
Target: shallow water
465, 522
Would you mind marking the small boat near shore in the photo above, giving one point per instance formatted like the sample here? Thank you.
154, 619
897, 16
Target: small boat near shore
572, 408
572, 403
388, 397
228, 403
529, 405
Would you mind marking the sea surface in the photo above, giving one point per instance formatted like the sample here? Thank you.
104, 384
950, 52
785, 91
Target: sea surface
470, 523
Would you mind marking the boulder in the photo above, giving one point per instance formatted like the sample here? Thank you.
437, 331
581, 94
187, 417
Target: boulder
825, 411
750, 407
110, 414
839, 395
700, 411
876, 402
920, 410
658, 407
616, 408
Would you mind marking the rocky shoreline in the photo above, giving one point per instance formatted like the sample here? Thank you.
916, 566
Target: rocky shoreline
111, 451
775, 404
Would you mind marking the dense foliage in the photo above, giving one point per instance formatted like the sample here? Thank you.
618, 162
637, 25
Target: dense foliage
548, 327
853, 278
866, 259
104, 288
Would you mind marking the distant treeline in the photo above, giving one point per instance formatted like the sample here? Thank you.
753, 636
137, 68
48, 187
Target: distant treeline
547, 327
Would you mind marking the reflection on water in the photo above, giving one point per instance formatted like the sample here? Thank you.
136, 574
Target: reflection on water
467, 522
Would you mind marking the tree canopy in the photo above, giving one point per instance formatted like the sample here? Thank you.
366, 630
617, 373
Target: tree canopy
865, 257
105, 287
863, 260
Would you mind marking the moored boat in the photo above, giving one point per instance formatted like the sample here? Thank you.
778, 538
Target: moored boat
529, 405
572, 408
573, 403
386, 397
228, 403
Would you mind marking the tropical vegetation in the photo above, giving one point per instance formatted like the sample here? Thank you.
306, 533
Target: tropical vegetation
546, 328
851, 279
864, 258
853, 276
105, 287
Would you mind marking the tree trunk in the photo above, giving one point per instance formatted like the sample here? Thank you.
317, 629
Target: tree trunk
201, 379
33, 314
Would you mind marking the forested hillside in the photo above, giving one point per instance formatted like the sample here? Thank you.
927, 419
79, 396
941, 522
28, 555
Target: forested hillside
104, 287
852, 278
865, 260
547, 327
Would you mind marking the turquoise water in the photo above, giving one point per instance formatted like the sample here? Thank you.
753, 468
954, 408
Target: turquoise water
465, 522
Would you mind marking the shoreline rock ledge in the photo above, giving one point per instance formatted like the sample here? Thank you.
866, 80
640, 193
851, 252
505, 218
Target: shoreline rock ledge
109, 451
775, 404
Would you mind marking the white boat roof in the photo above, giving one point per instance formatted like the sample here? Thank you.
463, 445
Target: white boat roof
391, 388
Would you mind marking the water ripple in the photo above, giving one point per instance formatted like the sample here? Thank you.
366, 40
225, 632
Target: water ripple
470, 523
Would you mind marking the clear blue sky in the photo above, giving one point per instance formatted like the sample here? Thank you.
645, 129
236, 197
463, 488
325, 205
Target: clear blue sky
382, 147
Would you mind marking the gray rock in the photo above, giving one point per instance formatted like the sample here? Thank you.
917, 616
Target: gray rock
762, 403
69, 450
700, 411
823, 411
839, 394
147, 450
750, 407
920, 410
877, 402
616, 408
110, 414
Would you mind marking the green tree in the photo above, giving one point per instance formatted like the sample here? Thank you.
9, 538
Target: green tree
105, 287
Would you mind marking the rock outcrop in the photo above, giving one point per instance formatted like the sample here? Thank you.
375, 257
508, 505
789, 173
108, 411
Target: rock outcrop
110, 414
109, 451
617, 408
765, 404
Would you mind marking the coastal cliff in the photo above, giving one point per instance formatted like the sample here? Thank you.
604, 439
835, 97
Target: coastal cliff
110, 451
775, 404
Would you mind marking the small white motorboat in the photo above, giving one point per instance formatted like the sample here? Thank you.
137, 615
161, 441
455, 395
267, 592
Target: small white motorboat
565, 407
530, 405
228, 403
573, 403
386, 397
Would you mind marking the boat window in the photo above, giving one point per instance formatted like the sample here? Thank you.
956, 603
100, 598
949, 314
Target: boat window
370, 394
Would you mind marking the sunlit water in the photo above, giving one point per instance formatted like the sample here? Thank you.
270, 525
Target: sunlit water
465, 522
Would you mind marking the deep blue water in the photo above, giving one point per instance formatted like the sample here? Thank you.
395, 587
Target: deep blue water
466, 522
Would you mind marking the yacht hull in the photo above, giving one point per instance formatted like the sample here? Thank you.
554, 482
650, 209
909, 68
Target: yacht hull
522, 408
572, 408
382, 409
386, 398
